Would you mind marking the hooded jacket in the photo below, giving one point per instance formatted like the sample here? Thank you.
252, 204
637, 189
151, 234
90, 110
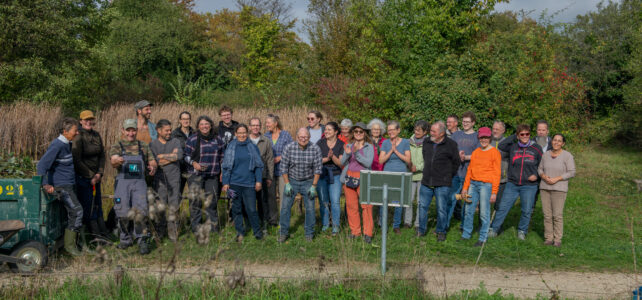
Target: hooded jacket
523, 161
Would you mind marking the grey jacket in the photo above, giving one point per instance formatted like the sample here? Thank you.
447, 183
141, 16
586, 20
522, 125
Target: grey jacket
267, 156
365, 160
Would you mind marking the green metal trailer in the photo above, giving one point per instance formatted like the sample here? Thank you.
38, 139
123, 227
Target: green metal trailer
44, 219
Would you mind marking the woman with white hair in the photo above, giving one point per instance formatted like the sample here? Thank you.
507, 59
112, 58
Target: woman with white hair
377, 129
345, 126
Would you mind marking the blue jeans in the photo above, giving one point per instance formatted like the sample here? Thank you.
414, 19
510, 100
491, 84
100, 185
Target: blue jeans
298, 187
396, 219
425, 197
455, 188
330, 202
526, 194
245, 199
480, 193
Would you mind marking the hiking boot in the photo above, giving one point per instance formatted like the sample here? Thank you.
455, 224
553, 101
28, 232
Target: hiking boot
479, 244
282, 238
367, 239
492, 233
521, 235
70, 242
441, 237
143, 246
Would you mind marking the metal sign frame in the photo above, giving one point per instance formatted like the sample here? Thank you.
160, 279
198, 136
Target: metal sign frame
381, 183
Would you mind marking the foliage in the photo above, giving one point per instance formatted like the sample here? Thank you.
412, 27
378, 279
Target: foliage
13, 166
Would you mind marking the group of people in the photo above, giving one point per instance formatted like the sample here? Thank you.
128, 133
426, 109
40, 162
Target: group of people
251, 167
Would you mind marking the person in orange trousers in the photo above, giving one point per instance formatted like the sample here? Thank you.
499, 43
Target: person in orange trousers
357, 155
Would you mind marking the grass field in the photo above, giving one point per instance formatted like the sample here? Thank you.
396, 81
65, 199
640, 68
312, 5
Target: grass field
602, 207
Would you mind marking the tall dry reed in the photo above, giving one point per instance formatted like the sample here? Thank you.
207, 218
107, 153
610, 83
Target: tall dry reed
27, 129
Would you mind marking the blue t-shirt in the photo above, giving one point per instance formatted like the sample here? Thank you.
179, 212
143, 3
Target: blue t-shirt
394, 163
467, 143
240, 172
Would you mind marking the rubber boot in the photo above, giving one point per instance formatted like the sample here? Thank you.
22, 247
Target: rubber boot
104, 232
143, 245
70, 242
96, 236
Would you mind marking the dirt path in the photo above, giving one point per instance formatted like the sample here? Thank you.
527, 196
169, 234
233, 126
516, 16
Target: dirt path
436, 279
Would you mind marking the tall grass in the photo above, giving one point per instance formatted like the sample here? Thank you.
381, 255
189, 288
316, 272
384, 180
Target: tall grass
27, 129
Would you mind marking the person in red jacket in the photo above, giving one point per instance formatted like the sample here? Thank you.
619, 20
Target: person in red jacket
481, 183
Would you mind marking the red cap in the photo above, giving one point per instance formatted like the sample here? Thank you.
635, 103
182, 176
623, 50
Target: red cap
484, 132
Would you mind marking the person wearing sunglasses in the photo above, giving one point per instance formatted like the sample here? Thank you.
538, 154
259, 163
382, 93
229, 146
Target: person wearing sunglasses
315, 127
357, 155
523, 179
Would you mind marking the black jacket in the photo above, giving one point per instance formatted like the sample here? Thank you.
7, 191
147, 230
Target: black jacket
178, 134
440, 164
522, 162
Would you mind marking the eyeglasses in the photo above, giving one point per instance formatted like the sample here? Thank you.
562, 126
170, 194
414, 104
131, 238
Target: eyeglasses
525, 134
311, 119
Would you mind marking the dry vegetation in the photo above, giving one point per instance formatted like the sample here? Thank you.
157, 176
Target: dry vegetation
27, 129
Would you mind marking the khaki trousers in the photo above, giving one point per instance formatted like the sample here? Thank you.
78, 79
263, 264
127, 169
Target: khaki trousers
553, 208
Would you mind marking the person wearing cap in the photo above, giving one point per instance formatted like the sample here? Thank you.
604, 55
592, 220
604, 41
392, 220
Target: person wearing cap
345, 125
481, 184
131, 157
146, 129
89, 163
56, 167
357, 155
301, 167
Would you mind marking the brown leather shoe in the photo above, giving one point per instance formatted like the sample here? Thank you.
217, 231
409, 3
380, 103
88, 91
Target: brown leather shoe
397, 231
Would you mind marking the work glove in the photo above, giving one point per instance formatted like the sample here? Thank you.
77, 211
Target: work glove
312, 192
287, 190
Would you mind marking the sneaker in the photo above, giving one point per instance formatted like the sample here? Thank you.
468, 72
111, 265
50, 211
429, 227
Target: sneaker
557, 244
463, 240
352, 236
282, 238
479, 244
367, 239
308, 238
408, 225
492, 233
548, 243
521, 235
441, 237
397, 231
419, 234
239, 238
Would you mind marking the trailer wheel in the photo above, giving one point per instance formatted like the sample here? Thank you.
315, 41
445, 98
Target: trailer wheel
34, 252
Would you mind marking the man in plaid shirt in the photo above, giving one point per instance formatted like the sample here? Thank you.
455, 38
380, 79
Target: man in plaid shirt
203, 155
300, 167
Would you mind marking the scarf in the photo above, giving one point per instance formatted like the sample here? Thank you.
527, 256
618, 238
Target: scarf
196, 155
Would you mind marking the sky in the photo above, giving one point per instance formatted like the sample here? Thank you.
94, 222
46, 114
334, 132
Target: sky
565, 10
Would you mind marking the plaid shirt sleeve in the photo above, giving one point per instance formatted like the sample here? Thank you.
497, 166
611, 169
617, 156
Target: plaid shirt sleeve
285, 161
318, 162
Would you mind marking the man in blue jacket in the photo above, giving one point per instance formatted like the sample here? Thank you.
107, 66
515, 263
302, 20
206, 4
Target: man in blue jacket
56, 167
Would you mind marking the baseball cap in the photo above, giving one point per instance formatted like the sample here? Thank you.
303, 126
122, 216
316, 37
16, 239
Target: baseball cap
130, 123
86, 114
142, 103
484, 132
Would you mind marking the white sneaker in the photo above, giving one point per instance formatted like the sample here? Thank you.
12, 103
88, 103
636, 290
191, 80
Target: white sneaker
521, 235
491, 233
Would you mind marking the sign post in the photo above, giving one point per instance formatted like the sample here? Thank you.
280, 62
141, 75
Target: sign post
377, 188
